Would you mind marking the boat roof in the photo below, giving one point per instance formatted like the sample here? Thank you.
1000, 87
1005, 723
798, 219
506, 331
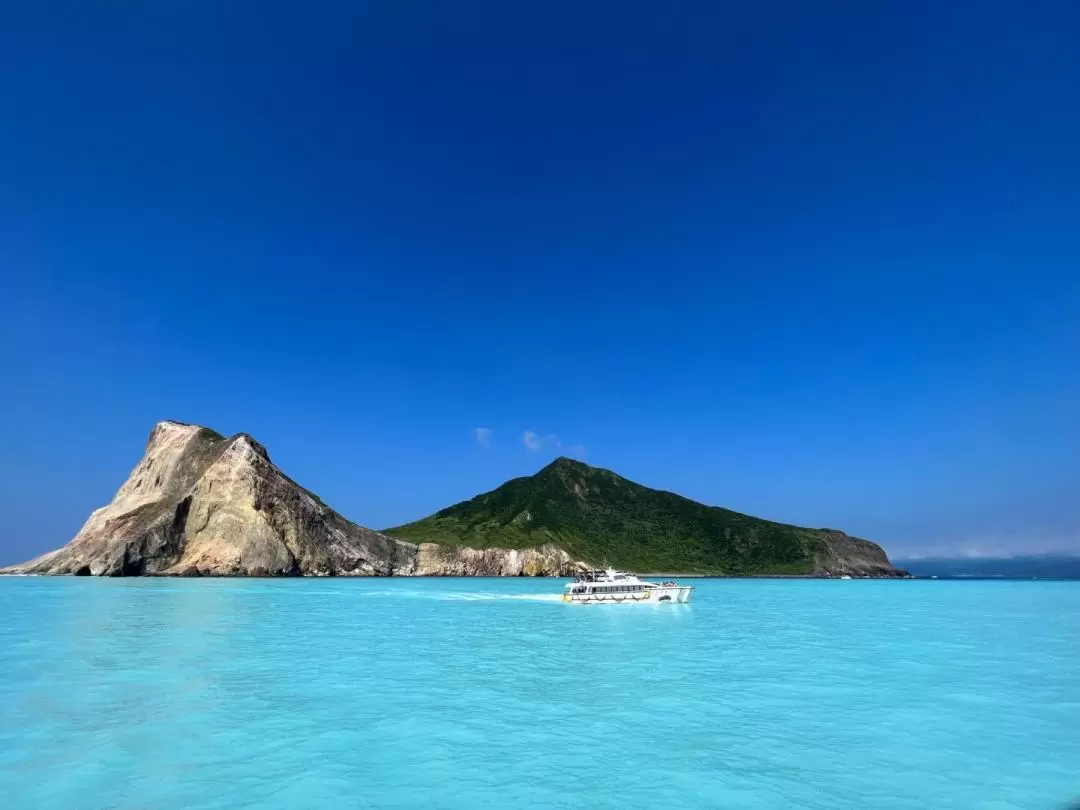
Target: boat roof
608, 576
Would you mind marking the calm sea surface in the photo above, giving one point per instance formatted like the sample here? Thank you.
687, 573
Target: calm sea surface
464, 693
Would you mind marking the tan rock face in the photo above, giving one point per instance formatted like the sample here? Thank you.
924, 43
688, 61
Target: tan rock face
843, 554
198, 504
449, 561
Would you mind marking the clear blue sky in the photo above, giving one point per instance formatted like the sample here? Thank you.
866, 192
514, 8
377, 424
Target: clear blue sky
818, 262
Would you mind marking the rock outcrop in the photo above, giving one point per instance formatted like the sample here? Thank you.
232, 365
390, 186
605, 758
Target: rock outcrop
453, 561
841, 554
199, 504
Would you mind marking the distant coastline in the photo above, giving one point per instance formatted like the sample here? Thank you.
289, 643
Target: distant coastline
1038, 566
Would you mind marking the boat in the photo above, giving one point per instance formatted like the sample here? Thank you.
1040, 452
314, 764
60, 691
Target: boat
845, 576
619, 587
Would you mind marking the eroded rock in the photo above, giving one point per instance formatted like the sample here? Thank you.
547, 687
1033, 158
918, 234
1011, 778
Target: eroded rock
199, 504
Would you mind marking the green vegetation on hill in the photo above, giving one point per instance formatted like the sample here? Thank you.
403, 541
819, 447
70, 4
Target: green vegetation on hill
600, 517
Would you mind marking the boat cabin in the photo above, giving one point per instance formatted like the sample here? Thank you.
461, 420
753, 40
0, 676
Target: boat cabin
607, 587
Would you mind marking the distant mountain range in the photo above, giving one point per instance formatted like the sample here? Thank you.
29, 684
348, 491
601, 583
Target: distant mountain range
201, 504
600, 517
1044, 566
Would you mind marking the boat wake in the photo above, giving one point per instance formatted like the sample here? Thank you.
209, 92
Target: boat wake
520, 597
460, 596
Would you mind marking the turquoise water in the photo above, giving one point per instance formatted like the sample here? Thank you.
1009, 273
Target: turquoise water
463, 693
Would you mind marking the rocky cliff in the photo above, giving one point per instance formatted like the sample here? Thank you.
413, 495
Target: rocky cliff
837, 553
199, 504
459, 561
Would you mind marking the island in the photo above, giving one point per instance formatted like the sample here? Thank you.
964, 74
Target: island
201, 504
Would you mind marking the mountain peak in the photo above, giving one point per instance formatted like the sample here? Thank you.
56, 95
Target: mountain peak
565, 463
247, 441
200, 504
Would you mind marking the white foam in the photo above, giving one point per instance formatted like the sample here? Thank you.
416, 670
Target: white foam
493, 597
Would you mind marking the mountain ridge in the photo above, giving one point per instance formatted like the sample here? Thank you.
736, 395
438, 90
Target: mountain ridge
600, 517
201, 504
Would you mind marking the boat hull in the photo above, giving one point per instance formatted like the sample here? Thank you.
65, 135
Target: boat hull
656, 595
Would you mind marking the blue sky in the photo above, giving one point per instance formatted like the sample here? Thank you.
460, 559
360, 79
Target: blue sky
814, 262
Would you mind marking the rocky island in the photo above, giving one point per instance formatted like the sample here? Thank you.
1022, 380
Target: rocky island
598, 516
201, 504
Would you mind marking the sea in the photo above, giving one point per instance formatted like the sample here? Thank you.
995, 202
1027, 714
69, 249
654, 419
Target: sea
473, 693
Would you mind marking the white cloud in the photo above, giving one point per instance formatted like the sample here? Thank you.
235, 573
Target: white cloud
531, 441
996, 544
483, 436
534, 441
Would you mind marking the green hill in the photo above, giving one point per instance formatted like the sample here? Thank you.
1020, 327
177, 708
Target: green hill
599, 517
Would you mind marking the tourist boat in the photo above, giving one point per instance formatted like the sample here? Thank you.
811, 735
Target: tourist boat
618, 587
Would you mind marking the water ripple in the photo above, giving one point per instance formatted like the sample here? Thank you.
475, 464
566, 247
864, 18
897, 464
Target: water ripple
462, 693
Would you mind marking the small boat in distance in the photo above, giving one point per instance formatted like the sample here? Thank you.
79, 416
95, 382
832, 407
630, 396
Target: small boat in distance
609, 585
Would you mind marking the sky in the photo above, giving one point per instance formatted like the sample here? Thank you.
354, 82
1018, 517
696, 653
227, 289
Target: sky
816, 262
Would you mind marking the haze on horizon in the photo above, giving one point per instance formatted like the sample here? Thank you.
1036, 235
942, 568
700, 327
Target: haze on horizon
817, 265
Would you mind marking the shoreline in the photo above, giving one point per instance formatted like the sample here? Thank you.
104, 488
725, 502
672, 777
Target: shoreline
650, 575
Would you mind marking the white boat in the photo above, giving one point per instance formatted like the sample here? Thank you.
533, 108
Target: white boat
619, 587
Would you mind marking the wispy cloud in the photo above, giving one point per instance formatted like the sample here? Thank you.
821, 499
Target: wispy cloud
534, 441
483, 436
1030, 540
576, 450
